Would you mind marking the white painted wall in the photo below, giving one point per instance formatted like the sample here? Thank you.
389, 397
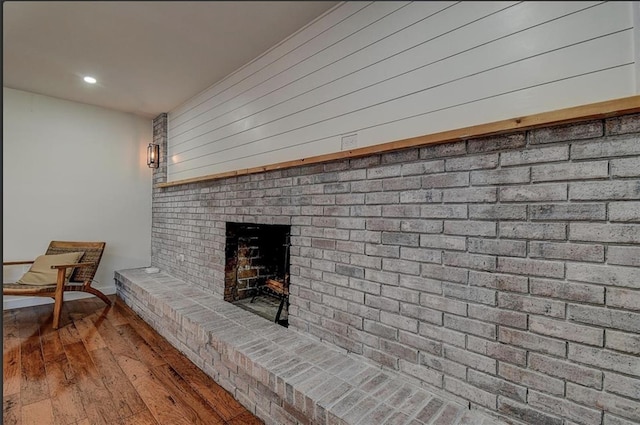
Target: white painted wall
393, 70
73, 172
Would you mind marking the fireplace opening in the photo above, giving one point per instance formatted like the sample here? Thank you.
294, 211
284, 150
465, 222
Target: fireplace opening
257, 269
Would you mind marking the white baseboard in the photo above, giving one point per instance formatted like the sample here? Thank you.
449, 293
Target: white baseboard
10, 302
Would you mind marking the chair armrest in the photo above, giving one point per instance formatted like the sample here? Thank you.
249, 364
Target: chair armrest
16, 263
74, 265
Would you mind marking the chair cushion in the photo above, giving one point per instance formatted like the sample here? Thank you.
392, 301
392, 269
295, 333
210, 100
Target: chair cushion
41, 272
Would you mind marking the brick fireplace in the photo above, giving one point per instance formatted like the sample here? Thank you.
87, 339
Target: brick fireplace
253, 254
501, 270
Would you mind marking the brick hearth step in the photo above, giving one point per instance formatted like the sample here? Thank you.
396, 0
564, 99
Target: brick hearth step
280, 374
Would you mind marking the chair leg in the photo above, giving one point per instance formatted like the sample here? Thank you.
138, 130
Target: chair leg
59, 299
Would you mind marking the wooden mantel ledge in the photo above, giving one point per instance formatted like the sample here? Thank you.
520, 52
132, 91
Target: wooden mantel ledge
600, 110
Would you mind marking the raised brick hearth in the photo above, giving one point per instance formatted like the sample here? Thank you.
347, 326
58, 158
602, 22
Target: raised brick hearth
503, 270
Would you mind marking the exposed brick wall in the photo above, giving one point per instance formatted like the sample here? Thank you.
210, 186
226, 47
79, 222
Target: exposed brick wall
504, 270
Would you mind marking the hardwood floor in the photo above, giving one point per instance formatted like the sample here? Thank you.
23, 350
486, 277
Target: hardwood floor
103, 366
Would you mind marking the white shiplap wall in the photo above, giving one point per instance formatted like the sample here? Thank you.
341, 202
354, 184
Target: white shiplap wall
392, 70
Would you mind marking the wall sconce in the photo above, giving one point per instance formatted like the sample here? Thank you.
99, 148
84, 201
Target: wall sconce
153, 155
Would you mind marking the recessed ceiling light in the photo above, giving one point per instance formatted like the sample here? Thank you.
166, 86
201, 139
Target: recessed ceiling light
90, 80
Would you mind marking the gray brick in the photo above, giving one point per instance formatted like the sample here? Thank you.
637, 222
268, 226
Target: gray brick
565, 408
567, 291
471, 261
604, 274
379, 329
402, 156
496, 350
574, 131
384, 171
423, 344
449, 367
605, 359
469, 392
531, 379
607, 402
438, 333
475, 361
566, 251
350, 199
615, 146
365, 211
497, 386
350, 271
470, 228
498, 316
502, 176
471, 194
445, 180
367, 285
443, 211
424, 374
421, 226
623, 124
623, 255
495, 143
410, 211
421, 284
624, 211
443, 304
558, 212
532, 342
382, 198
623, 298
366, 261
570, 171
399, 351
501, 282
381, 277
622, 385
566, 370
421, 196
475, 162
470, 326
421, 255
605, 317
566, 330
401, 266
400, 183
594, 232
424, 167
605, 190
443, 150
449, 274
621, 341
498, 212
382, 251
533, 156
626, 167
498, 247
405, 239
454, 243
469, 293
554, 231
400, 322
366, 186
534, 193
421, 313
527, 266
526, 413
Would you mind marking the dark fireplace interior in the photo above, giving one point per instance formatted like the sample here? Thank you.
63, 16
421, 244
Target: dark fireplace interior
257, 268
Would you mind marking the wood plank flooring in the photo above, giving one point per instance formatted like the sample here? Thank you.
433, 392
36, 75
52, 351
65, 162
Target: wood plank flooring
104, 365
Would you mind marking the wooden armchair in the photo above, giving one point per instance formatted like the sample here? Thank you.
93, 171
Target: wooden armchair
80, 279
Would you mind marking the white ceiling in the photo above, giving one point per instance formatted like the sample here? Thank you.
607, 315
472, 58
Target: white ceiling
148, 56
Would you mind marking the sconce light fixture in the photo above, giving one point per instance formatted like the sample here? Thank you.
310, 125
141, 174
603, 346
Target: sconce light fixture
153, 155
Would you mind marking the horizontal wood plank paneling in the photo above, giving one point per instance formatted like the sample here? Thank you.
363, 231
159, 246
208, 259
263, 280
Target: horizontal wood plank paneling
397, 70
